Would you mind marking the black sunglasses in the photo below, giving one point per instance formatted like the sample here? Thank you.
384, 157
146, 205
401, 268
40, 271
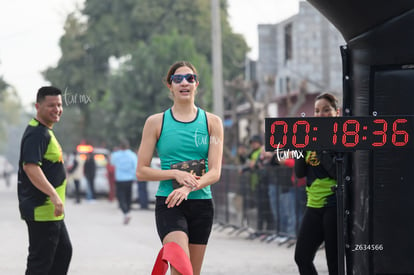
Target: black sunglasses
178, 78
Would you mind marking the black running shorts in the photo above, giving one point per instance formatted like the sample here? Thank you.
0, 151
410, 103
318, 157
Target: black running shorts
193, 216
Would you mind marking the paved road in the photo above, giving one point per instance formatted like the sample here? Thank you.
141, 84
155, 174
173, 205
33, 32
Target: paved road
103, 245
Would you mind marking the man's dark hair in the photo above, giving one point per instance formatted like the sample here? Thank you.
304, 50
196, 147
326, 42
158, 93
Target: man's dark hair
45, 91
124, 144
256, 138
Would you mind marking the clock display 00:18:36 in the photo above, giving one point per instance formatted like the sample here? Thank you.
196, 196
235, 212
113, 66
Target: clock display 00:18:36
339, 133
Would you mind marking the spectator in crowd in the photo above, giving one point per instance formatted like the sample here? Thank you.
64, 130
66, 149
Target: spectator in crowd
319, 223
110, 174
7, 170
75, 173
287, 201
89, 170
125, 162
142, 194
242, 152
257, 196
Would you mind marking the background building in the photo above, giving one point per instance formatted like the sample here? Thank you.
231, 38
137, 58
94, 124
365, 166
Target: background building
298, 59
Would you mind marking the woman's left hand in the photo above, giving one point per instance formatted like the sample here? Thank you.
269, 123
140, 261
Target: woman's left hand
177, 196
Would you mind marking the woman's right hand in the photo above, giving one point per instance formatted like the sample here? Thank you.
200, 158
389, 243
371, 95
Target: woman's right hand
187, 179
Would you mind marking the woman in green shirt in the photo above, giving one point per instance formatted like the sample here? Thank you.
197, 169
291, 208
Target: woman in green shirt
184, 132
319, 220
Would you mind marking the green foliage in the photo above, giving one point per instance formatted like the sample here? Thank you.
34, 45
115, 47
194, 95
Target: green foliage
133, 91
3, 87
144, 37
10, 110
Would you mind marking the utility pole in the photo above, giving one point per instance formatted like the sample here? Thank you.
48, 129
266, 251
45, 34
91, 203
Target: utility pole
217, 59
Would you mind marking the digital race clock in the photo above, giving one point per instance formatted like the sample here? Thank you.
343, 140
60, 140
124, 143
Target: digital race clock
339, 133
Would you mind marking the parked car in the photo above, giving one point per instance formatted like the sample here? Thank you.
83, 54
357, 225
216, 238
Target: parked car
101, 156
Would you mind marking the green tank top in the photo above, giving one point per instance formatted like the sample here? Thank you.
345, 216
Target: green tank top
182, 141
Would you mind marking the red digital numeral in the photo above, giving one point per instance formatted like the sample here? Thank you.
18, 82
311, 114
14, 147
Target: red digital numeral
350, 133
273, 130
295, 130
382, 133
335, 137
399, 133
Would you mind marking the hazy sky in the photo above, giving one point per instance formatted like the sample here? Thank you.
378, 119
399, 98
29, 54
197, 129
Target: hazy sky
30, 32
